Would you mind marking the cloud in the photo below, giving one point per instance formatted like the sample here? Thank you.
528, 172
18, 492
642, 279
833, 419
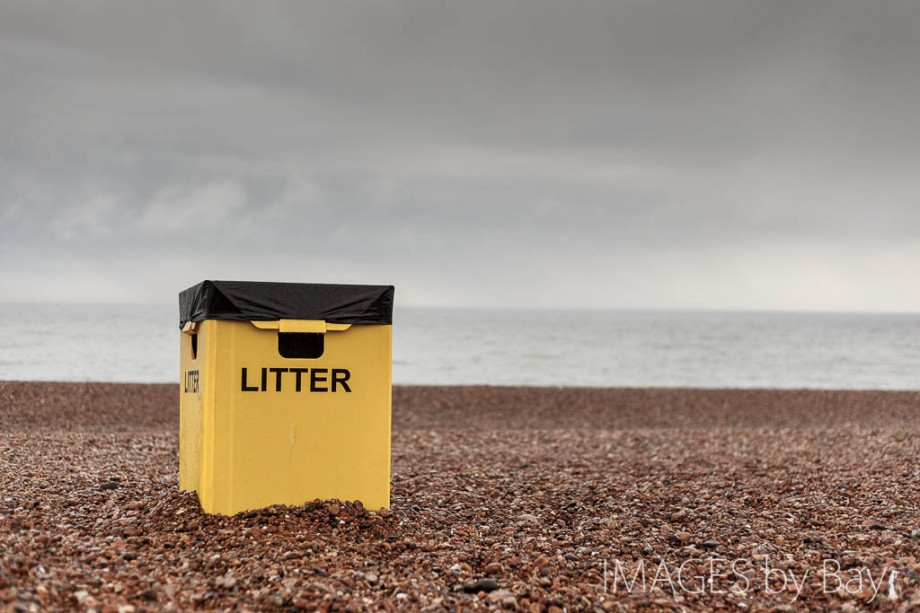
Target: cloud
518, 153
186, 210
90, 219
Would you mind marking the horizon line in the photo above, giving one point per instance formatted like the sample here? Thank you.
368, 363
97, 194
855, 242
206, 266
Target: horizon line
588, 309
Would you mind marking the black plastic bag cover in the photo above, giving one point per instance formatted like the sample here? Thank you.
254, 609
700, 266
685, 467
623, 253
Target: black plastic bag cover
261, 301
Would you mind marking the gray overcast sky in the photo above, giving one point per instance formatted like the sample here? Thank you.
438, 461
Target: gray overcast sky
684, 154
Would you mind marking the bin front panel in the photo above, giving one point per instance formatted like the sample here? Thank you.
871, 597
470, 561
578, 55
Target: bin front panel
289, 430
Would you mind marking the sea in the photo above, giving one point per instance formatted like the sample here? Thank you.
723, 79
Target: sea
140, 343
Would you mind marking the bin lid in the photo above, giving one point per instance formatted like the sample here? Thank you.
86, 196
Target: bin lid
264, 301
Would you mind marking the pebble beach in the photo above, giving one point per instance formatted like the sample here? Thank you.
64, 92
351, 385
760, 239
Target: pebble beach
517, 498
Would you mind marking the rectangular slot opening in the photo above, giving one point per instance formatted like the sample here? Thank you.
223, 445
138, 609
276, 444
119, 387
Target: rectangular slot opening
301, 345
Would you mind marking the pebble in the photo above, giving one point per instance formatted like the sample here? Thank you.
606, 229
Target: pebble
529, 518
149, 594
680, 538
502, 597
482, 585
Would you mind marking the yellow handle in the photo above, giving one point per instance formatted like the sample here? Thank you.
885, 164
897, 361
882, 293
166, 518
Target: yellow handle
309, 326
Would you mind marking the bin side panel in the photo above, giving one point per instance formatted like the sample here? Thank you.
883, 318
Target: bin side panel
191, 403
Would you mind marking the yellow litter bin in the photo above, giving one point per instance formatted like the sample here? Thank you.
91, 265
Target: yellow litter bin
285, 393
